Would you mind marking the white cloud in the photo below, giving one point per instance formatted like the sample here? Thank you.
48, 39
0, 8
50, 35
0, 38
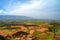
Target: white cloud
1, 11
24, 8
33, 8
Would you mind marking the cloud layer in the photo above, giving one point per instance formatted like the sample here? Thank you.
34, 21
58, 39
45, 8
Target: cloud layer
44, 9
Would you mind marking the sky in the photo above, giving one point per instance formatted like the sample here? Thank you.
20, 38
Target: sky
40, 9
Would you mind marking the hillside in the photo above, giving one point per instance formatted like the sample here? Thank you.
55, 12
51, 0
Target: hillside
13, 18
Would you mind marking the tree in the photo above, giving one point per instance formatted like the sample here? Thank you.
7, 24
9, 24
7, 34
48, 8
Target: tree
2, 37
35, 38
53, 28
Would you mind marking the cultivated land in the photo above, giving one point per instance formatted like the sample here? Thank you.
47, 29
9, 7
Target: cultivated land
30, 30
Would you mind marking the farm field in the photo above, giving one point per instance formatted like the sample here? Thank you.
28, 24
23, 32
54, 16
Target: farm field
30, 31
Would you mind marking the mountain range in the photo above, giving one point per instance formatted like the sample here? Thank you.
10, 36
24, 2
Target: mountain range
13, 18
20, 18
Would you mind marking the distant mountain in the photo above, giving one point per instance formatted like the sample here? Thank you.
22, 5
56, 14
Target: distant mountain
13, 18
21, 18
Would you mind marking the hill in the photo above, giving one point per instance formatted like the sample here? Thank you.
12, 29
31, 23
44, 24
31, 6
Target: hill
13, 18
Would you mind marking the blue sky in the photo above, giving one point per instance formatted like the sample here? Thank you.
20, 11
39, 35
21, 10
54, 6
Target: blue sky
41, 9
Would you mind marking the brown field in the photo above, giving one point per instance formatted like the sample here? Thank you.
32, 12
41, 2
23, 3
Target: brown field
28, 32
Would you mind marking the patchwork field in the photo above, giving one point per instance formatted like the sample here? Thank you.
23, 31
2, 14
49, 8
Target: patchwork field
30, 31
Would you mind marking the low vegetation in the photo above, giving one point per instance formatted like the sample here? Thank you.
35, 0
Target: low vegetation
30, 30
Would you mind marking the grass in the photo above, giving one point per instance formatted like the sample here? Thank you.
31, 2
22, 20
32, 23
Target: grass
46, 36
49, 36
37, 33
41, 35
58, 32
1, 28
28, 30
